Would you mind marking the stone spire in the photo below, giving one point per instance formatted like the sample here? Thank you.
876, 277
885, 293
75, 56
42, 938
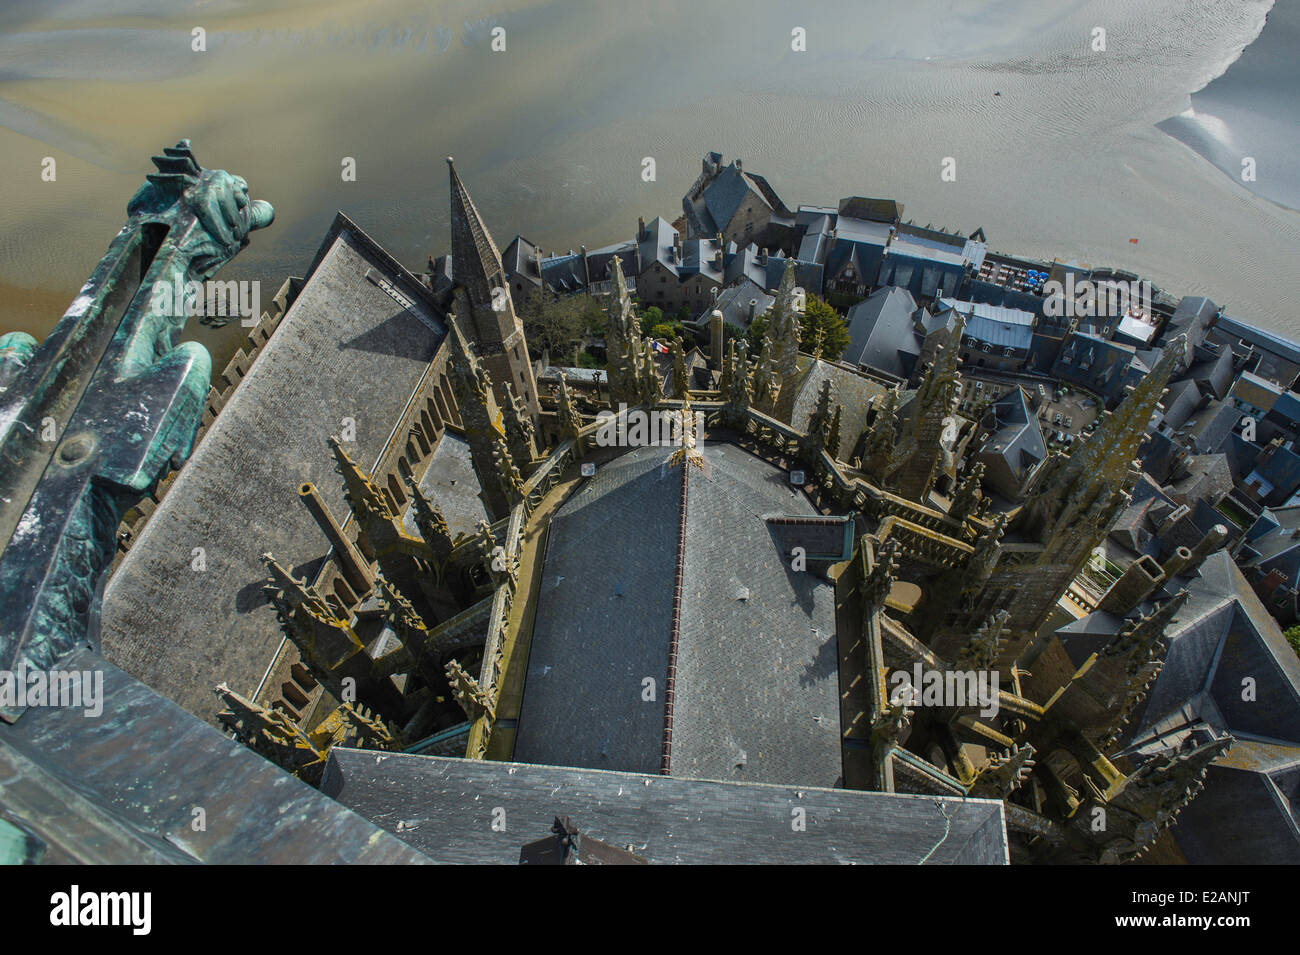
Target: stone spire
833, 433
681, 381
880, 442
1148, 801
472, 386
783, 328
622, 339
926, 445
984, 648
379, 522
330, 649
411, 630
968, 499
570, 420
487, 315
466, 691
430, 522
1104, 464
980, 565
876, 587
520, 432
767, 382
738, 393
508, 481
820, 419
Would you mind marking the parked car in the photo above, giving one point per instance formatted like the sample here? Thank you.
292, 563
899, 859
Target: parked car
1056, 418
1069, 422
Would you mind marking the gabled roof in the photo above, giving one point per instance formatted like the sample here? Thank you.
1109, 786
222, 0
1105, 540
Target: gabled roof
357, 338
657, 245
997, 325
664, 819
1016, 438
756, 679
882, 335
723, 196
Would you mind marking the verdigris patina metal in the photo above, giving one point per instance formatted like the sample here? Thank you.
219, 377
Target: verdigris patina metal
92, 417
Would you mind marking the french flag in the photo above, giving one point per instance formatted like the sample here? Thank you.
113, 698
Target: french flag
660, 348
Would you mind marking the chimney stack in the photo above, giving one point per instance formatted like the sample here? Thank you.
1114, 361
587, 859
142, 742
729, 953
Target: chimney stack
1210, 543
1176, 563
715, 337
1137, 583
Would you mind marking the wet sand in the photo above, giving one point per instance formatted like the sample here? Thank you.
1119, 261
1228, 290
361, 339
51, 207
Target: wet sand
1068, 161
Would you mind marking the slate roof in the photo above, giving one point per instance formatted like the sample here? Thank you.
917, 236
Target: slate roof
1103, 366
344, 348
1210, 426
444, 808
657, 245
1255, 391
997, 325
1192, 318
1180, 401
1222, 636
603, 618
120, 787
756, 685
852, 391
757, 689
451, 483
734, 305
882, 335
1262, 339
723, 196
1016, 439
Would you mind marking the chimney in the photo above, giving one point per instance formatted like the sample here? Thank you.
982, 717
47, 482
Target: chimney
717, 258
640, 228
739, 166
677, 246
1210, 543
586, 266
1176, 563
762, 257
715, 337
1137, 583
753, 309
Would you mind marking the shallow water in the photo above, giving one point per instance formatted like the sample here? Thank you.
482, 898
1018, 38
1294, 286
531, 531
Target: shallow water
550, 134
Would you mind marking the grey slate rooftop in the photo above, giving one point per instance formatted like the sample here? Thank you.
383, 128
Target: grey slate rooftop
344, 349
451, 483
120, 788
444, 808
757, 680
851, 391
603, 618
1220, 637
882, 335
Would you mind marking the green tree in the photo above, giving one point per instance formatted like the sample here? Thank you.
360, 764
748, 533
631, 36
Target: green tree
1292, 635
754, 334
650, 317
820, 322
555, 324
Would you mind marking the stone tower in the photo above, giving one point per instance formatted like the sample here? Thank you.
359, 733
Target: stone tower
481, 417
929, 433
1071, 507
485, 314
